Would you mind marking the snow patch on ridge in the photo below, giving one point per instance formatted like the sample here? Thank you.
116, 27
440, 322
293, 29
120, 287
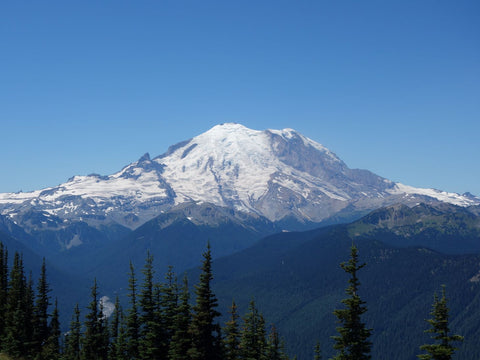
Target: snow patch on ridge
452, 198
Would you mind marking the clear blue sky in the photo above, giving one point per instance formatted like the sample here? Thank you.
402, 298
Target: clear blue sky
389, 86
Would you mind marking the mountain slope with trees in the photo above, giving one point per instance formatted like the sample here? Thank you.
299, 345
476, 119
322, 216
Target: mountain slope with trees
296, 279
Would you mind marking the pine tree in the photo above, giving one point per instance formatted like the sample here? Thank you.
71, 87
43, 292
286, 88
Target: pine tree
104, 333
51, 349
274, 350
204, 331
14, 339
253, 343
42, 302
115, 323
3, 289
148, 345
167, 297
94, 346
55, 330
29, 322
72, 348
181, 341
118, 343
133, 322
231, 342
352, 342
442, 349
317, 352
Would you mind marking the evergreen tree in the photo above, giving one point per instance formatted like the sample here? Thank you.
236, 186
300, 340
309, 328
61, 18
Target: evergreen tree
231, 343
42, 302
148, 345
104, 331
72, 341
442, 349
167, 297
118, 344
94, 346
121, 346
29, 322
14, 339
317, 352
133, 322
51, 349
253, 341
274, 350
3, 289
352, 342
115, 327
204, 331
181, 341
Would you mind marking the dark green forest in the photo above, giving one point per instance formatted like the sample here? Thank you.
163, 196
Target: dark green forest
160, 322
164, 321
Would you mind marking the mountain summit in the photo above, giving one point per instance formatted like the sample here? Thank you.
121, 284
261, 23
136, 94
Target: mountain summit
277, 174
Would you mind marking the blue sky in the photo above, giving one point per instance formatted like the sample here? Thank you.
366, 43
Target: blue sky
389, 86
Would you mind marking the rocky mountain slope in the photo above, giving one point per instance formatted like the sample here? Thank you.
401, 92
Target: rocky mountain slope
279, 175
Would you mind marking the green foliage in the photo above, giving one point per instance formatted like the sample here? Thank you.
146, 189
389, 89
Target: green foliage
167, 296
442, 348
94, 344
51, 348
253, 342
317, 353
232, 335
118, 340
205, 332
16, 321
73, 338
163, 317
133, 322
41, 331
3, 287
181, 341
274, 349
352, 342
148, 342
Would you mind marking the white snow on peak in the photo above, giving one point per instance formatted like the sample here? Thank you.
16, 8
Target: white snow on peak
20, 197
99, 189
289, 134
232, 164
452, 198
230, 154
228, 165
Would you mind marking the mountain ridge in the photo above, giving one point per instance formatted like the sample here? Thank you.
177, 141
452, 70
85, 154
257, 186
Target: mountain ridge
276, 174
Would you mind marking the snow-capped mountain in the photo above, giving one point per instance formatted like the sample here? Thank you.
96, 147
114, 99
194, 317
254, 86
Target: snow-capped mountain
276, 174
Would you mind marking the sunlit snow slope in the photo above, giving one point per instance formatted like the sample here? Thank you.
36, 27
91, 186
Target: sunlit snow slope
278, 174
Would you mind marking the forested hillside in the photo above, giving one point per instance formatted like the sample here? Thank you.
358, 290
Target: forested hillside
297, 281
160, 321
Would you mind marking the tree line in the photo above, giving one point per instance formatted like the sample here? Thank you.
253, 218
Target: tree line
161, 322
